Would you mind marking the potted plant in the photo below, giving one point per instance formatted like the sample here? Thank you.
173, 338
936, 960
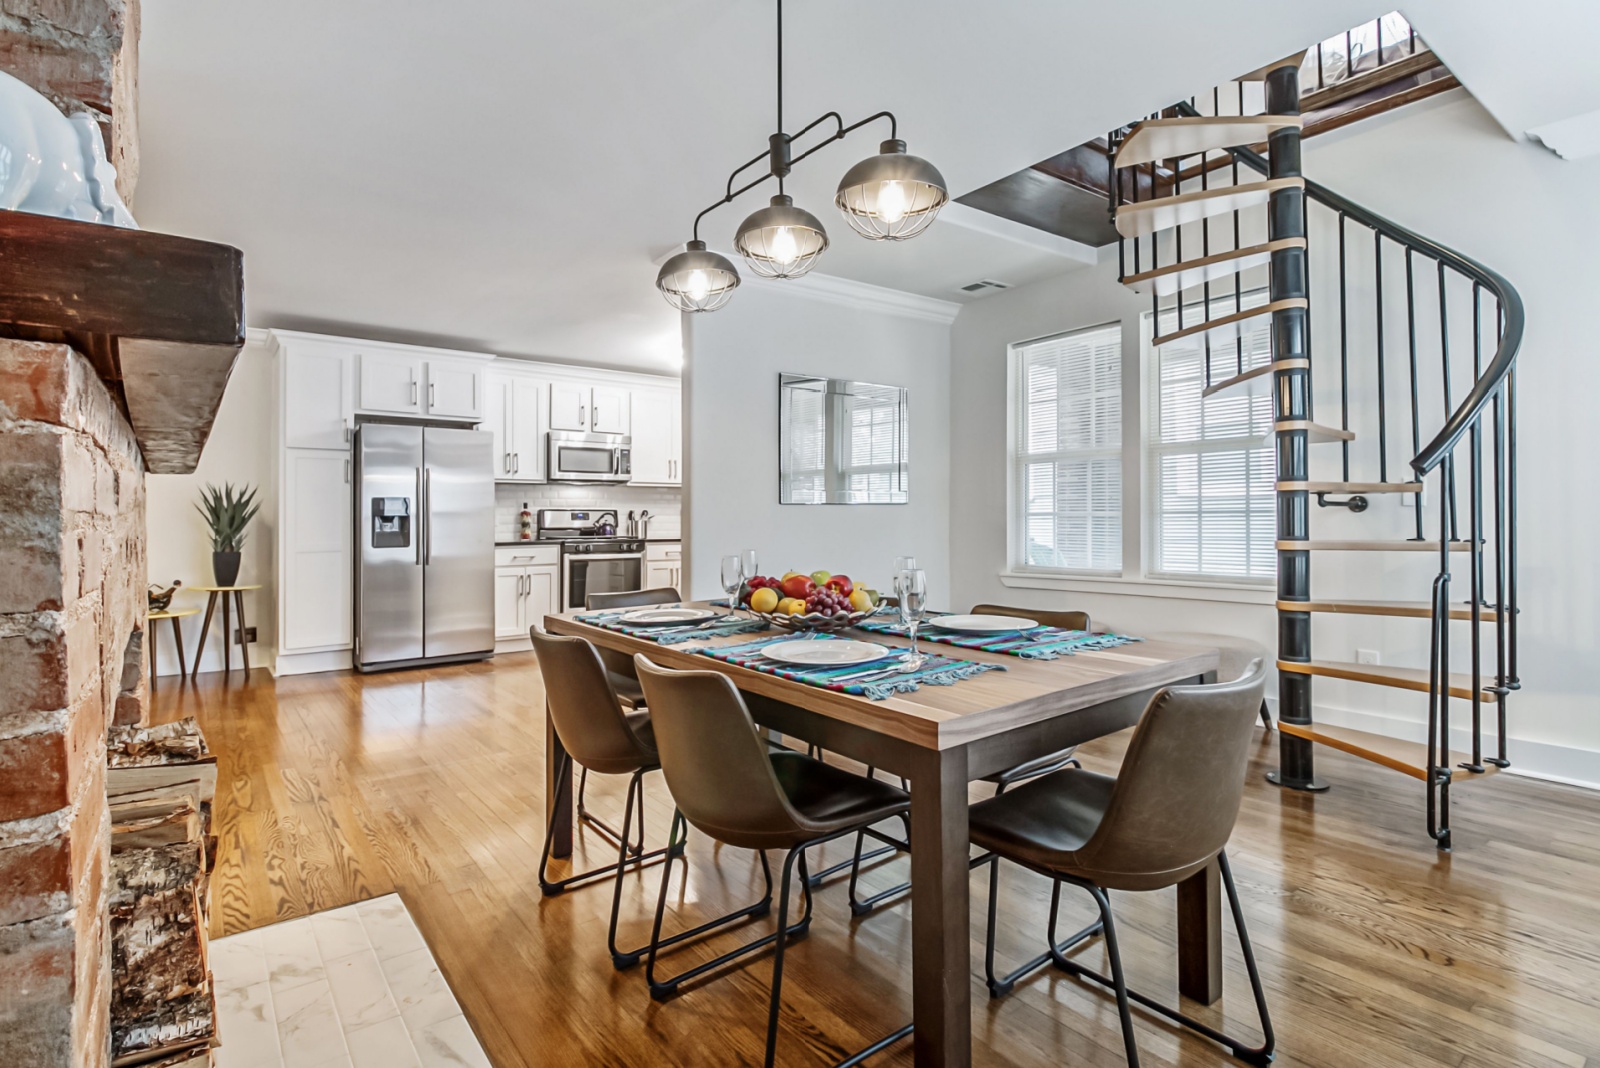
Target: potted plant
227, 513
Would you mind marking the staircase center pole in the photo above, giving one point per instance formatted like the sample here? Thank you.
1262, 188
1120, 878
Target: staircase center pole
1291, 393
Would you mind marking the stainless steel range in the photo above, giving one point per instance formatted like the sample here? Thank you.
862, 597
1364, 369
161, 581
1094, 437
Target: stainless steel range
593, 558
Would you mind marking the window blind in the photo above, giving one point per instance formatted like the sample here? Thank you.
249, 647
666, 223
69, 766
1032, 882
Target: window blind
1213, 469
1067, 456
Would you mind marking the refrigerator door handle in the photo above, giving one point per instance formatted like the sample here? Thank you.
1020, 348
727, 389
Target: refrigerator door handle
417, 534
427, 516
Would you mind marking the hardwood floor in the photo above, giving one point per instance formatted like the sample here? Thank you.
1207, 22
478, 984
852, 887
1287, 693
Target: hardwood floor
1376, 950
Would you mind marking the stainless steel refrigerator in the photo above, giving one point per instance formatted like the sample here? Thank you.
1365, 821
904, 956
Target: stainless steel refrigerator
425, 545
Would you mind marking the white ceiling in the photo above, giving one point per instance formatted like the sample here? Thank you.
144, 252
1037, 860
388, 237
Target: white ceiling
505, 175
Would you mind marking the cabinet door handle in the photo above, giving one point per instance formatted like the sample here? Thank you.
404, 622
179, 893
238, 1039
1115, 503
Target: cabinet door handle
505, 463
413, 390
580, 415
433, 396
347, 472
516, 458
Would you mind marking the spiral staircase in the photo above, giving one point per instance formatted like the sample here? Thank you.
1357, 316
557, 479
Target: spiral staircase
1198, 211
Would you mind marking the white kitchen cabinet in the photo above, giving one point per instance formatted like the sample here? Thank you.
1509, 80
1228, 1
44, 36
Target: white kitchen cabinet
663, 565
526, 585
609, 408
391, 382
455, 390
515, 414
317, 555
588, 408
318, 409
657, 437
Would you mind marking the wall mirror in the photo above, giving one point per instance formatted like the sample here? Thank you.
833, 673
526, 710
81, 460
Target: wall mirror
841, 442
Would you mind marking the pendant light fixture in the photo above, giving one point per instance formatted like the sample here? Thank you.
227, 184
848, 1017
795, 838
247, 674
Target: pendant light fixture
889, 197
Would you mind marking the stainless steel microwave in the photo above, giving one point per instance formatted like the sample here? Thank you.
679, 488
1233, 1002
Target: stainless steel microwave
579, 457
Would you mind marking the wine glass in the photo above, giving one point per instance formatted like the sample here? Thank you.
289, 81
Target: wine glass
904, 563
733, 577
911, 587
750, 570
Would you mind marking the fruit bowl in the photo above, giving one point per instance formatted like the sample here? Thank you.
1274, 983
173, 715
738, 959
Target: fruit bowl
812, 621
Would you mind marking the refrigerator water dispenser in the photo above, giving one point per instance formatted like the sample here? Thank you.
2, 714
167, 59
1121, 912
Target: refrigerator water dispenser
391, 522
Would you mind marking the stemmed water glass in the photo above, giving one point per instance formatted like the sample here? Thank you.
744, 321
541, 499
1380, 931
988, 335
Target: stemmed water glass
911, 588
749, 558
733, 577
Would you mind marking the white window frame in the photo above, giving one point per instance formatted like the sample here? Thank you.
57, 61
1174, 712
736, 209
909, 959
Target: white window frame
1153, 449
1016, 460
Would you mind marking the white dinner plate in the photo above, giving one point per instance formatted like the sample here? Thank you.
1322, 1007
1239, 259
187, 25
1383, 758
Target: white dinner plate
982, 624
656, 617
825, 652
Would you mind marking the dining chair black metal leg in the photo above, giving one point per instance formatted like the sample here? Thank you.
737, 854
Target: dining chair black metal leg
551, 887
1266, 716
662, 989
781, 941
861, 906
601, 825
1256, 1055
1001, 986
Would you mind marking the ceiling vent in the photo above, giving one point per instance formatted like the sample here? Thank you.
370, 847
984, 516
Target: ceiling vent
984, 285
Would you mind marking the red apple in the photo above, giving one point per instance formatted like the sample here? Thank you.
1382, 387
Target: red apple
798, 587
841, 584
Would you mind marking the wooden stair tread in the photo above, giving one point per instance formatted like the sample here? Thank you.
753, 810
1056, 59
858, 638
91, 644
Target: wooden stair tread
1353, 487
1255, 381
1316, 433
1156, 139
1186, 274
1374, 546
1149, 216
1408, 758
1410, 609
1228, 326
1402, 678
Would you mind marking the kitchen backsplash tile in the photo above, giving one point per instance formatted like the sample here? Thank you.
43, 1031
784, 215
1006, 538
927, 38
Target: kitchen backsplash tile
509, 498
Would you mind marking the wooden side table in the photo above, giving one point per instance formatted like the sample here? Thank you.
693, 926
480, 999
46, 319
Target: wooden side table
227, 594
173, 614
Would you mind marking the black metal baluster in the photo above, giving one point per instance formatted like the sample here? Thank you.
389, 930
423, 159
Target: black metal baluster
1475, 506
1416, 418
1449, 486
1177, 233
1205, 251
1383, 408
1515, 682
1238, 277
1344, 356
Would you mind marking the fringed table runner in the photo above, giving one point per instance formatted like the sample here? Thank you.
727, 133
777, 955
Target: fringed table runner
1036, 643
672, 635
876, 681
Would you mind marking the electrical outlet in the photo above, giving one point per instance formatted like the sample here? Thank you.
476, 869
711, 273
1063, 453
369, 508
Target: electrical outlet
249, 635
1366, 656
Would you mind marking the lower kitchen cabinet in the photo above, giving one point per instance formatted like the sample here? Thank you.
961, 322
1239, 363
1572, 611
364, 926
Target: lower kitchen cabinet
663, 565
527, 584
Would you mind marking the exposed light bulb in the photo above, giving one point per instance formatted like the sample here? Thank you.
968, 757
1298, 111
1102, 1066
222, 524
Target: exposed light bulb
784, 248
698, 285
892, 202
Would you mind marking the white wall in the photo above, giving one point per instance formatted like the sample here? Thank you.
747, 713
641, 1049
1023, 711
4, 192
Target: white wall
241, 449
1445, 170
732, 361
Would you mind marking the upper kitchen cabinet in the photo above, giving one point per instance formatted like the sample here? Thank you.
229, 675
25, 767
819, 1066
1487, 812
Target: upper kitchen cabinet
319, 409
589, 409
515, 415
657, 437
418, 383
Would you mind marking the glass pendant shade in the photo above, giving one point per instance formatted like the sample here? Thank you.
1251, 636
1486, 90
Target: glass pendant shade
697, 280
781, 240
891, 196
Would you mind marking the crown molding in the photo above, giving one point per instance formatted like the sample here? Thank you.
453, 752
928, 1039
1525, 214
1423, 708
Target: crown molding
830, 289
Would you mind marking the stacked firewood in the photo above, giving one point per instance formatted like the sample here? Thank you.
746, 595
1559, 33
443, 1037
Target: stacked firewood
160, 782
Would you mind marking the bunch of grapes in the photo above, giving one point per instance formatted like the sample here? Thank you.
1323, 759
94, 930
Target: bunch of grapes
761, 582
828, 602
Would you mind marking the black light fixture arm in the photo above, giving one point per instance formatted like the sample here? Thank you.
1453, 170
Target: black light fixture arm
780, 162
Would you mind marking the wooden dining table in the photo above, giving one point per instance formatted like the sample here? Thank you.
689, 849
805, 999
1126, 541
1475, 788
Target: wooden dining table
940, 738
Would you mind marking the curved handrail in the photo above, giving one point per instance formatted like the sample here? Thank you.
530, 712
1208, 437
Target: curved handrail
1483, 390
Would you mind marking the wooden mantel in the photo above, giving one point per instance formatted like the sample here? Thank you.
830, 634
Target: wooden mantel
161, 318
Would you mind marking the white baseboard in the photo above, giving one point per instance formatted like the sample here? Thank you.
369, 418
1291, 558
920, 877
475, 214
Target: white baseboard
1538, 760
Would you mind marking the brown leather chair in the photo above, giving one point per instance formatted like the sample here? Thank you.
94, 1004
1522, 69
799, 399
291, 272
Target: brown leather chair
599, 736
729, 786
618, 664
1166, 816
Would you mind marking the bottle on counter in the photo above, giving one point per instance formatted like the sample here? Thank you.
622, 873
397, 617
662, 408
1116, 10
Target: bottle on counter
525, 524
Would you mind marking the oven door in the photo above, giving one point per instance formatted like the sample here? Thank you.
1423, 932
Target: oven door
584, 574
